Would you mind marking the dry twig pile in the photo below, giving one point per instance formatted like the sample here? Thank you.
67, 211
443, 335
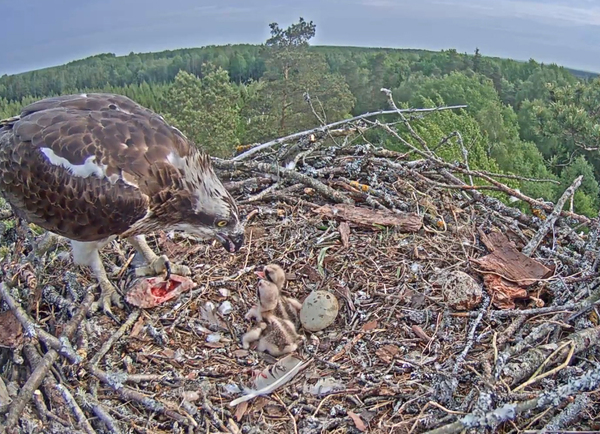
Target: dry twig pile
456, 311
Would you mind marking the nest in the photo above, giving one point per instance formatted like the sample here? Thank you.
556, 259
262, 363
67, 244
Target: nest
457, 312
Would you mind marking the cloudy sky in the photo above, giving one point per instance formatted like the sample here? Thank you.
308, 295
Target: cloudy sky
40, 33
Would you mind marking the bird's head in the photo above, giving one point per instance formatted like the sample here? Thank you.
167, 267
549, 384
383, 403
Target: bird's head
212, 212
274, 274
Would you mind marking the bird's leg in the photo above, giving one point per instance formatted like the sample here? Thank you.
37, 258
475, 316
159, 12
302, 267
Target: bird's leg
86, 253
156, 264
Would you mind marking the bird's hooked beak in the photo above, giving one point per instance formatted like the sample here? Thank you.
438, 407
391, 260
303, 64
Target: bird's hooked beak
260, 274
231, 242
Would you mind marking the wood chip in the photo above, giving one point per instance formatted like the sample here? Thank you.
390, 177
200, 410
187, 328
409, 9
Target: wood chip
344, 230
137, 327
405, 222
11, 331
358, 422
420, 333
240, 410
369, 325
387, 353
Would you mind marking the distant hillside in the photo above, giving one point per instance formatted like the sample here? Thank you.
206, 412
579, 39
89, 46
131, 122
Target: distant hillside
582, 74
245, 63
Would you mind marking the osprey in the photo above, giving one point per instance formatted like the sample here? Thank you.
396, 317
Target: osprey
95, 166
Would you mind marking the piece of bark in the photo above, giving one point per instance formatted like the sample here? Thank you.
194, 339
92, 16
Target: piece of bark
505, 260
506, 271
11, 330
503, 292
405, 222
344, 230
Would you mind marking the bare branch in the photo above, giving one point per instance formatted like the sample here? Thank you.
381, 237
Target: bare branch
541, 233
325, 128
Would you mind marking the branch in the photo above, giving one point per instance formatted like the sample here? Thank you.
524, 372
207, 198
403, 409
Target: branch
62, 345
133, 316
113, 380
249, 152
40, 372
543, 230
589, 381
287, 173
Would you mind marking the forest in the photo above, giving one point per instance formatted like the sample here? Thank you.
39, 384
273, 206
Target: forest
530, 119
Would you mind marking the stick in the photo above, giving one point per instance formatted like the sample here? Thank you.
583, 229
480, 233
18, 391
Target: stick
79, 415
543, 230
588, 381
291, 174
102, 414
62, 345
133, 316
35, 379
26, 392
249, 152
530, 361
130, 394
567, 416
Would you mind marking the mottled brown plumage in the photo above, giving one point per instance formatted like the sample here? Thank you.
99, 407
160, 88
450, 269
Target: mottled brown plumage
93, 166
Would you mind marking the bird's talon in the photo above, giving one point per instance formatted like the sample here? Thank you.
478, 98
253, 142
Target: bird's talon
168, 269
108, 297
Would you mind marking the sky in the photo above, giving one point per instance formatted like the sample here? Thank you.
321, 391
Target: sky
41, 33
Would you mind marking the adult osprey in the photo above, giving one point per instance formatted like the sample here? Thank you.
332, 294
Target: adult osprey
91, 167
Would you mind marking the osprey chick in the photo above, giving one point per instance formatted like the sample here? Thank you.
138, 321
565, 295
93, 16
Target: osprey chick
95, 166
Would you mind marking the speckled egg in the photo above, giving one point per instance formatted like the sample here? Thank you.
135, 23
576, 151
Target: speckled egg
319, 310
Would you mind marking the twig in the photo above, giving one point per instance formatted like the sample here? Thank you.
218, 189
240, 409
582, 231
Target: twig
133, 316
588, 381
35, 379
465, 155
62, 345
545, 227
79, 415
291, 174
510, 191
249, 152
207, 406
471, 338
413, 133
501, 314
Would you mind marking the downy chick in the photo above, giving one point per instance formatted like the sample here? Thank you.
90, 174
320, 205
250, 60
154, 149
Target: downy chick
270, 300
275, 335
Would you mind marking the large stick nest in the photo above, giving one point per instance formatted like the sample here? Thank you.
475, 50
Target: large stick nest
444, 323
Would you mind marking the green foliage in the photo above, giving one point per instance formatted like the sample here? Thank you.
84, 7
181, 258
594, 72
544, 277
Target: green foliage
436, 127
293, 76
586, 197
205, 110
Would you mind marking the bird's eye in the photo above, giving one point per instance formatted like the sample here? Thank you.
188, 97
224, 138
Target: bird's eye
222, 223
